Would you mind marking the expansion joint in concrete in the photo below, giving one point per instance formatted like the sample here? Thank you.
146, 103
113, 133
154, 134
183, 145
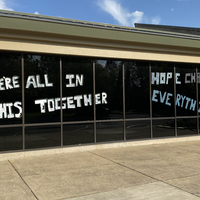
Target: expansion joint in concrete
23, 180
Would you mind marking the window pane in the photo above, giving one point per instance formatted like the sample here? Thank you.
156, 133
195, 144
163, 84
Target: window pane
42, 136
42, 89
163, 128
186, 127
186, 90
10, 89
109, 89
109, 131
137, 89
11, 139
162, 83
78, 134
77, 89
138, 129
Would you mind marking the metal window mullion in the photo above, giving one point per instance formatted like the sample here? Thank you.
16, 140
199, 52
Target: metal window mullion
175, 113
94, 103
61, 110
151, 122
124, 106
23, 102
197, 98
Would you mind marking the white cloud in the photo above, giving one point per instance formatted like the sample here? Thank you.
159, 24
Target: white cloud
136, 16
172, 9
3, 5
156, 20
116, 10
122, 15
37, 13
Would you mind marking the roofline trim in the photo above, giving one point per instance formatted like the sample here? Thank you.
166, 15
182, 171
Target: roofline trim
43, 18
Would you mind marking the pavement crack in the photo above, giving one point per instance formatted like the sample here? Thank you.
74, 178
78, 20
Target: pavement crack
125, 166
23, 180
143, 173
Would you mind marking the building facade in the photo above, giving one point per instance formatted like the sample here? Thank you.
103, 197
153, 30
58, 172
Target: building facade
70, 83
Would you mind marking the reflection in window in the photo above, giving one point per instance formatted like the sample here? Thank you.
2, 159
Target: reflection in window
109, 131
137, 90
78, 134
186, 127
109, 89
10, 89
163, 128
138, 129
42, 89
42, 136
162, 84
11, 139
77, 89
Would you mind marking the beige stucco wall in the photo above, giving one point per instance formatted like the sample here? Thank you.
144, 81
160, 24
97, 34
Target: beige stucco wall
98, 51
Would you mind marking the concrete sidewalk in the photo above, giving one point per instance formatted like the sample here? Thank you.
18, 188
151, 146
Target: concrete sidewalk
152, 172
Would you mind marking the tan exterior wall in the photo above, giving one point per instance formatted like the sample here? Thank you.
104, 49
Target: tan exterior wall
92, 51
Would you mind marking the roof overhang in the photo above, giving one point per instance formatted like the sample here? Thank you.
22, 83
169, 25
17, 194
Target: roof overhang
25, 32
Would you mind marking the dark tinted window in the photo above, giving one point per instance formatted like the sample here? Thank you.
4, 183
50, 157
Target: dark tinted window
186, 90
42, 136
186, 127
137, 90
163, 128
162, 84
42, 89
11, 139
109, 131
78, 134
138, 129
109, 89
77, 89
10, 89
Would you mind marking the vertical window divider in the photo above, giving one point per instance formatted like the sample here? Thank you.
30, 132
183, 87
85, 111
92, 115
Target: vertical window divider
124, 106
197, 97
61, 110
175, 113
23, 101
94, 103
151, 123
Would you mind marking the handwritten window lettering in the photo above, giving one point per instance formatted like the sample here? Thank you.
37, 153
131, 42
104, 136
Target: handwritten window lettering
72, 102
50, 104
35, 81
7, 83
165, 97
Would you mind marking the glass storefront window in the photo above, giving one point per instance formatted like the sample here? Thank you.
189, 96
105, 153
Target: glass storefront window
137, 90
186, 126
186, 104
11, 139
42, 89
81, 78
109, 89
138, 129
42, 136
78, 134
10, 89
163, 128
162, 84
109, 131
77, 89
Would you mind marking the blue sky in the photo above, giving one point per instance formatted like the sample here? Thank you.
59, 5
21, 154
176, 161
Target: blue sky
118, 12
